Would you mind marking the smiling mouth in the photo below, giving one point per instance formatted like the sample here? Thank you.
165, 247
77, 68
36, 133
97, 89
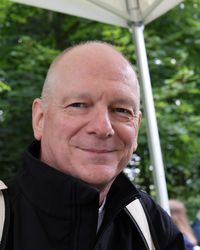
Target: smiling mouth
97, 151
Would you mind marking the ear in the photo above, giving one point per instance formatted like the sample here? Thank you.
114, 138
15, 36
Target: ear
37, 118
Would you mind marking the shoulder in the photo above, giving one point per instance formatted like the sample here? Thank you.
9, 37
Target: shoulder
158, 219
164, 232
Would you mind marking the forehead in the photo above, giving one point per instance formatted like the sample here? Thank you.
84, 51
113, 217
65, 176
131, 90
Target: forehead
94, 67
94, 59
93, 90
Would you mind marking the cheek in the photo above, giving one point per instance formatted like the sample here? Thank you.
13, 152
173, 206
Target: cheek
66, 129
54, 127
128, 135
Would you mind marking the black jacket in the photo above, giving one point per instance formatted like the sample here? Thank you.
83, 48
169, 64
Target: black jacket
53, 211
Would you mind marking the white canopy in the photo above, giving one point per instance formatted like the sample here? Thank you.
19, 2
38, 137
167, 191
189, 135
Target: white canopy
133, 14
117, 12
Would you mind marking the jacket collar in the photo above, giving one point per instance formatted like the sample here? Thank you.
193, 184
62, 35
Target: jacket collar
51, 190
54, 192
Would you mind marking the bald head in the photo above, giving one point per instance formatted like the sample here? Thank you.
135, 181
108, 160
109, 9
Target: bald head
88, 59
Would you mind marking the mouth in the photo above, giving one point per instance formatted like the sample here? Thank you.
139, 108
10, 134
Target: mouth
97, 151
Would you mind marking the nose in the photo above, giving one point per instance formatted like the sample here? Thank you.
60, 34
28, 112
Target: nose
100, 124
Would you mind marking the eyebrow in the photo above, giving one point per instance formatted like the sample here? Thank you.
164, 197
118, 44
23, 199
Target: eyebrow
124, 100
75, 95
127, 101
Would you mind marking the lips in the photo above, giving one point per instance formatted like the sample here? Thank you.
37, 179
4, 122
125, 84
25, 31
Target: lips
97, 151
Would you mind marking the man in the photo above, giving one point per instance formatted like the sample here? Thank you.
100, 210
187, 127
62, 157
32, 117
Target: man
71, 194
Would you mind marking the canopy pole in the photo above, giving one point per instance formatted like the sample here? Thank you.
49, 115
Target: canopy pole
150, 116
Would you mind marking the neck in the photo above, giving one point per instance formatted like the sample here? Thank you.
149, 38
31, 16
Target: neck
103, 193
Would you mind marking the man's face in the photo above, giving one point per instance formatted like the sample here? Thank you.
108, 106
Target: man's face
89, 129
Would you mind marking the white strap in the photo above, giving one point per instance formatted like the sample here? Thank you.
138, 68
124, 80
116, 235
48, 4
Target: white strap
2, 213
136, 210
2, 208
2, 185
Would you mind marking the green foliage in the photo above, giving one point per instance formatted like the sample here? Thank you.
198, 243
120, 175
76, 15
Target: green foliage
31, 37
4, 87
174, 65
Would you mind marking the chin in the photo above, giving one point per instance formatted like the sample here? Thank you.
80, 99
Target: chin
100, 182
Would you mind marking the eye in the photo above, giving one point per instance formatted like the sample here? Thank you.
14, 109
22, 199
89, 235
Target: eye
78, 105
122, 111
